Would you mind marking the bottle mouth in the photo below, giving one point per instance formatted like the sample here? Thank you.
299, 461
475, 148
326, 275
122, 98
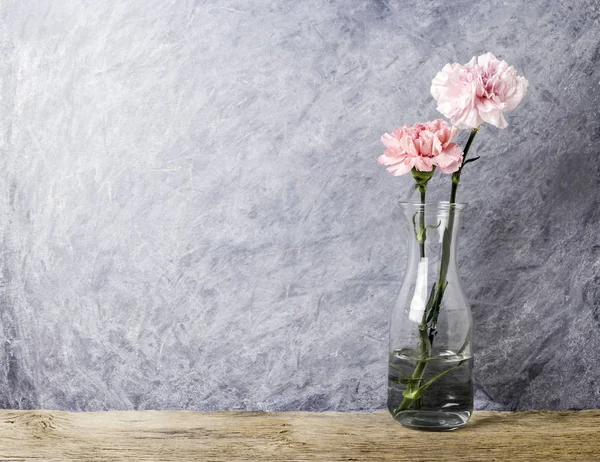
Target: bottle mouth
437, 205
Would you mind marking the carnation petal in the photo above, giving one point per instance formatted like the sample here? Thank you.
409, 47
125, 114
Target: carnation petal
436, 147
401, 168
385, 159
438, 83
447, 81
468, 118
454, 152
453, 132
486, 59
407, 144
450, 168
520, 91
492, 115
451, 159
424, 164
390, 141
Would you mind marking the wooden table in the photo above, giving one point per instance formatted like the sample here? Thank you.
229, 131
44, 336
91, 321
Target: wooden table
284, 436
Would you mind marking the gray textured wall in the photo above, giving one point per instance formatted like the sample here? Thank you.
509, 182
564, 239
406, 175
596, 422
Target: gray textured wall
192, 215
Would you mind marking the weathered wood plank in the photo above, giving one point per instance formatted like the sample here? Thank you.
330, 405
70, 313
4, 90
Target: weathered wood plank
329, 436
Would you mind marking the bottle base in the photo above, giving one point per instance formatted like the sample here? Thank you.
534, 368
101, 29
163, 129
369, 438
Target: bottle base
436, 421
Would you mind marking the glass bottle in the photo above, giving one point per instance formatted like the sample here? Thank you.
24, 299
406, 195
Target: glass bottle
430, 382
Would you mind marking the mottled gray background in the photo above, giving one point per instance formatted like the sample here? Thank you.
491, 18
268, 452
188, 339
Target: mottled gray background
192, 216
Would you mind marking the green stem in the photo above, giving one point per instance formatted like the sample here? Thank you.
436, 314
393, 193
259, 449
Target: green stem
421, 179
422, 223
447, 242
456, 175
416, 377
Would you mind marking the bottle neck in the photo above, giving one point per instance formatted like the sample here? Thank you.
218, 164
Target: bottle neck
432, 231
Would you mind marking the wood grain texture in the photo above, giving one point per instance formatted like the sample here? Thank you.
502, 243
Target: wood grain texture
330, 436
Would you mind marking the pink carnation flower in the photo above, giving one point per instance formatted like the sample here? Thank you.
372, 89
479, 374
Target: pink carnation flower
480, 91
422, 146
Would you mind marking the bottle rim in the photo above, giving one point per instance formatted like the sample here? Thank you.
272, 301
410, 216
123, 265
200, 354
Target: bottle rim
439, 205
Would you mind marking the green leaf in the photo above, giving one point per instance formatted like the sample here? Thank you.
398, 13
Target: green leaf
473, 159
430, 300
465, 344
416, 394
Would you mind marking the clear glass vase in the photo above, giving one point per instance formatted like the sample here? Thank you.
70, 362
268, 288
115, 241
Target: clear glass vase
430, 382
